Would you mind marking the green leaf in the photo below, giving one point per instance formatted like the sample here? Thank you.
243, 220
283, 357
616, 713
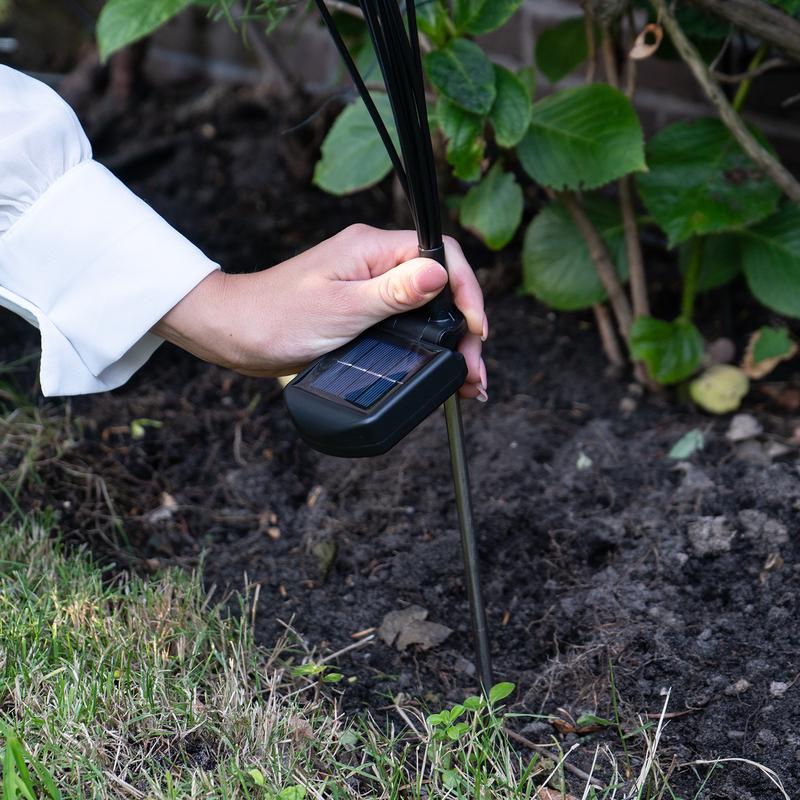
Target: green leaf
465, 143
721, 260
332, 677
492, 210
671, 350
687, 445
455, 732
556, 265
527, 75
700, 181
433, 20
771, 260
257, 777
585, 720
123, 22
582, 138
296, 792
462, 73
353, 155
473, 702
772, 343
562, 48
500, 691
482, 16
511, 113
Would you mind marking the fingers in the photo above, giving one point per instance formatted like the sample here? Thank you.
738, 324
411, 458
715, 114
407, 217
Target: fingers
380, 251
475, 385
466, 290
407, 286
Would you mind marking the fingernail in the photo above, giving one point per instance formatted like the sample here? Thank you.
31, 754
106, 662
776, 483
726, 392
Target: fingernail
430, 278
482, 396
485, 333
484, 378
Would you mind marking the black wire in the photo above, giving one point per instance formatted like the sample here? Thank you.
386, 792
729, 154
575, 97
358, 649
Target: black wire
365, 95
398, 55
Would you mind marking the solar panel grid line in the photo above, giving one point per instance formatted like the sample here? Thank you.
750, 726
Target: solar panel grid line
368, 371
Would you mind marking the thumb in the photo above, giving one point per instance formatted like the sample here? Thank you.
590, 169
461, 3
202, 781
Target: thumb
402, 288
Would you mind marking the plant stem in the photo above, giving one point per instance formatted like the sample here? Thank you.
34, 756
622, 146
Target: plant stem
633, 246
690, 278
603, 263
688, 52
607, 336
760, 19
744, 86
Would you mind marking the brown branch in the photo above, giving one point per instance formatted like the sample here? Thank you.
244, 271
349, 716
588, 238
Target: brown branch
633, 247
607, 336
760, 19
773, 63
759, 154
603, 263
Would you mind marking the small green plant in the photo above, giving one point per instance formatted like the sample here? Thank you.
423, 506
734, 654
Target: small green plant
317, 670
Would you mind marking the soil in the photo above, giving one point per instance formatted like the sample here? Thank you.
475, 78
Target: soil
596, 547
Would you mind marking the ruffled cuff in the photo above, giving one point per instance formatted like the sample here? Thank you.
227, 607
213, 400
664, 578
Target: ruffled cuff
96, 268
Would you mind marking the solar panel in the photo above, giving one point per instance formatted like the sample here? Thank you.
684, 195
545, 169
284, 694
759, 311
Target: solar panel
367, 372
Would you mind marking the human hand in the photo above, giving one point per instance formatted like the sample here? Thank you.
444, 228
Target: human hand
277, 321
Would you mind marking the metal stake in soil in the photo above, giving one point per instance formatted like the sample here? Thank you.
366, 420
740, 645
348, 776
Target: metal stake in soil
469, 545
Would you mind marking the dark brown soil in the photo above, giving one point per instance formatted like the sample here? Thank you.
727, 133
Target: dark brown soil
593, 541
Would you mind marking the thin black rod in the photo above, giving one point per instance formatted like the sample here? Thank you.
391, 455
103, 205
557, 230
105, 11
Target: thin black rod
469, 545
372, 109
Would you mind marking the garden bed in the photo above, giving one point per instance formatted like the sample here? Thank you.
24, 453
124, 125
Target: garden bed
596, 547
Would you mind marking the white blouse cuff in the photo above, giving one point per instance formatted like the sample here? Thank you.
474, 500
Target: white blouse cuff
95, 268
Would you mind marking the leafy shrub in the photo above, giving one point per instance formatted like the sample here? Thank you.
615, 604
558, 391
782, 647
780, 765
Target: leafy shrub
712, 187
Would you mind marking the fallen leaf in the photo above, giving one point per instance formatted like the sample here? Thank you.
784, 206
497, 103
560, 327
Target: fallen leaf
688, 445
408, 626
647, 42
720, 389
423, 633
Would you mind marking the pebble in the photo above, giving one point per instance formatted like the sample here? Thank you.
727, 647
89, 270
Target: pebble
710, 536
740, 687
778, 688
743, 427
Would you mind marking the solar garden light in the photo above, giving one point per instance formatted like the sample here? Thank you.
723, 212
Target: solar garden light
363, 398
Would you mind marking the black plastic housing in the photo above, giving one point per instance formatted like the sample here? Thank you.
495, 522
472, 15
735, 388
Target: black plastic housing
356, 427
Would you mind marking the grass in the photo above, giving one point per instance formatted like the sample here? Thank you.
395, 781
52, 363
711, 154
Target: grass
119, 686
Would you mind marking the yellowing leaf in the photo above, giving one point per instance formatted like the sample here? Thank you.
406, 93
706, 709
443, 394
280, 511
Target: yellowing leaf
720, 389
766, 349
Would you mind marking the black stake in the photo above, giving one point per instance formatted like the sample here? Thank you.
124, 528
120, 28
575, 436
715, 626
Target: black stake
469, 544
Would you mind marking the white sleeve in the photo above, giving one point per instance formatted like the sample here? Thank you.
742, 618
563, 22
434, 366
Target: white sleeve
81, 257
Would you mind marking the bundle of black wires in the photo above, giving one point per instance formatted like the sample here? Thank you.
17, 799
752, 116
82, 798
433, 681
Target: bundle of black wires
398, 54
